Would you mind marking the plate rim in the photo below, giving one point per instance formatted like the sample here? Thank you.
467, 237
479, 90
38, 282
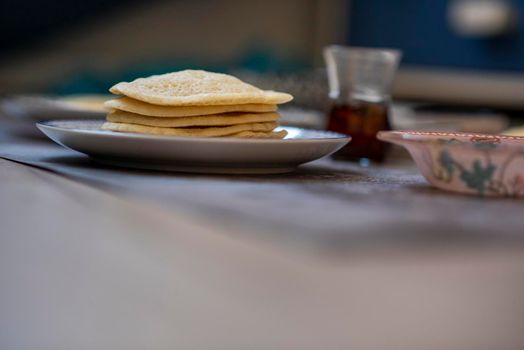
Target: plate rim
337, 137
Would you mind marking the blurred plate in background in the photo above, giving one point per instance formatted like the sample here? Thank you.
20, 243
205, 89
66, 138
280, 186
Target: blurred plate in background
33, 108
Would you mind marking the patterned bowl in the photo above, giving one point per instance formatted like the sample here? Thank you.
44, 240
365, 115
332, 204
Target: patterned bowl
486, 165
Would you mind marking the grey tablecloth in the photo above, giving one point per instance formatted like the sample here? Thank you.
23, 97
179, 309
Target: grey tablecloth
326, 204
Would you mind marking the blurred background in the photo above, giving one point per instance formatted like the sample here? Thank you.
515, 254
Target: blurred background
461, 57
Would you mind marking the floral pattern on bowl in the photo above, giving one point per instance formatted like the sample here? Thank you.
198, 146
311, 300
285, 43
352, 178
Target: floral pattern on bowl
486, 165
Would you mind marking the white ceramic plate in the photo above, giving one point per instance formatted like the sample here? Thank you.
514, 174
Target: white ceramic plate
189, 154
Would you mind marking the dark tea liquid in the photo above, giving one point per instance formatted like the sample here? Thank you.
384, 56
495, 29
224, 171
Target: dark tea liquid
361, 120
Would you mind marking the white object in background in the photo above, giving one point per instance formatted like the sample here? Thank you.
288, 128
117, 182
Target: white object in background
407, 117
481, 18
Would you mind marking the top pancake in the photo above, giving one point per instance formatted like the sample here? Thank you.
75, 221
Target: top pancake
197, 88
138, 107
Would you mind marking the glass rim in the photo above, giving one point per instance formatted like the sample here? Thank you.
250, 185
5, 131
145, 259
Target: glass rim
365, 50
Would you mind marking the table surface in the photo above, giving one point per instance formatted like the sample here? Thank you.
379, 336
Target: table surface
334, 257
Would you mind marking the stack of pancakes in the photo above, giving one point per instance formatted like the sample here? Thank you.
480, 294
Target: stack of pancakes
194, 103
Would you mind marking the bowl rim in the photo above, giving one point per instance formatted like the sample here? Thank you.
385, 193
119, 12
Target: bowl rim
404, 137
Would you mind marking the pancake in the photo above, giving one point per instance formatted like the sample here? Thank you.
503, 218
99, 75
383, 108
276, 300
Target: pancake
189, 132
260, 135
197, 88
178, 122
138, 107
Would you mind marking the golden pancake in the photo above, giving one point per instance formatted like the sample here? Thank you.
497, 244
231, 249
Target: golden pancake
135, 106
178, 122
197, 88
189, 132
260, 135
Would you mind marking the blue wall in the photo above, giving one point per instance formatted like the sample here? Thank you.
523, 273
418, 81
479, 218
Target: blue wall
421, 29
